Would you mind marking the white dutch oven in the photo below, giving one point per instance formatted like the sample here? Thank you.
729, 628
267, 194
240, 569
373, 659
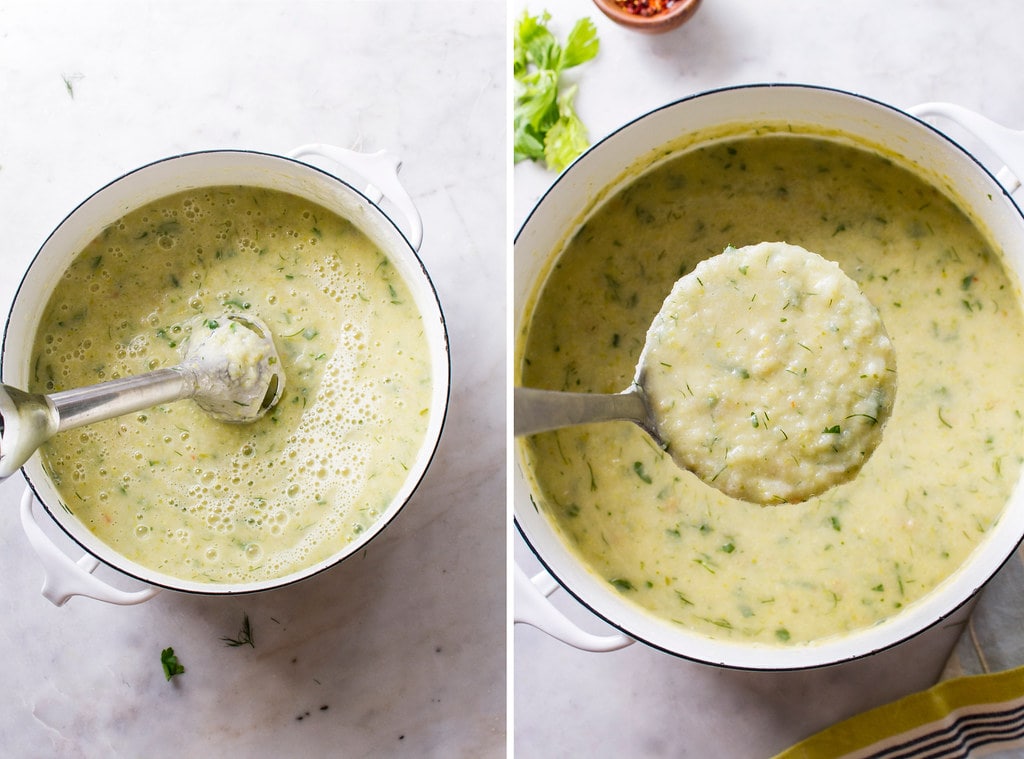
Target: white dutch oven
615, 161
65, 577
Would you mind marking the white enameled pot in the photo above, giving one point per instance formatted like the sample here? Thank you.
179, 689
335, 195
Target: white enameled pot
65, 577
614, 162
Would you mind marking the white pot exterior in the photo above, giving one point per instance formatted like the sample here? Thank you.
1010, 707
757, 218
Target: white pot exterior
204, 169
616, 161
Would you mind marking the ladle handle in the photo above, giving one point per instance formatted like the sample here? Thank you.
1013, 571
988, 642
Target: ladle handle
85, 405
27, 420
537, 410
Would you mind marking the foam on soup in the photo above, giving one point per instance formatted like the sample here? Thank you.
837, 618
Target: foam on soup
192, 497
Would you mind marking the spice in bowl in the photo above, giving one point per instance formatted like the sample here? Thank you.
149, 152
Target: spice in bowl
645, 7
650, 16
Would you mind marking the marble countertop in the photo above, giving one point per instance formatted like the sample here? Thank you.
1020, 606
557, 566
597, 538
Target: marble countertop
637, 701
401, 650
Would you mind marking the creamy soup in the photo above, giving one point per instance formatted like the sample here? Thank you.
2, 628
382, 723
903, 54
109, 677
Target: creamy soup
768, 373
863, 550
182, 493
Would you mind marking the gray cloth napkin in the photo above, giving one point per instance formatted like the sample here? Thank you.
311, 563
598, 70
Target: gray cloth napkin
993, 639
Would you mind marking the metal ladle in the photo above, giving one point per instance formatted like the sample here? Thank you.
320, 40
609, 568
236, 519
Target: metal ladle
770, 336
230, 368
537, 410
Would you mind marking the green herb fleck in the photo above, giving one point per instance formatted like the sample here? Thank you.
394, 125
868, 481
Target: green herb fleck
69, 83
622, 584
244, 637
782, 634
705, 562
686, 601
170, 663
638, 467
725, 624
833, 430
871, 419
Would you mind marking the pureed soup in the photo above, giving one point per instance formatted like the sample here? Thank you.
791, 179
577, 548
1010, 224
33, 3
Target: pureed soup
862, 551
768, 373
181, 493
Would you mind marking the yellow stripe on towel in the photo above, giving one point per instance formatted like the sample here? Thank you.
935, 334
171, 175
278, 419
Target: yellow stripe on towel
949, 719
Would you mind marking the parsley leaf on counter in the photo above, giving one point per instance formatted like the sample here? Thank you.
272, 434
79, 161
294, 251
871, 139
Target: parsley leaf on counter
545, 122
170, 663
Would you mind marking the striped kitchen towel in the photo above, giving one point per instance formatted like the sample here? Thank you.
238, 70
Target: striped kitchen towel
977, 707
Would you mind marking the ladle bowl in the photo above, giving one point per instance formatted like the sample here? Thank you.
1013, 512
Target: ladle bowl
751, 343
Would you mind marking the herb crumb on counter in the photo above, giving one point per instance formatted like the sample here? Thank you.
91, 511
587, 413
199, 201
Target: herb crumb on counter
69, 83
170, 663
244, 637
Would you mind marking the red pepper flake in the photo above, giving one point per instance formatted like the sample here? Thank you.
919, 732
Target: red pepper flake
645, 7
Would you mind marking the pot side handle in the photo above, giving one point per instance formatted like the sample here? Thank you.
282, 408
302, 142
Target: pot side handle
380, 169
532, 607
1007, 143
64, 578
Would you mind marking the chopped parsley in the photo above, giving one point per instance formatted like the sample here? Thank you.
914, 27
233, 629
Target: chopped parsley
170, 663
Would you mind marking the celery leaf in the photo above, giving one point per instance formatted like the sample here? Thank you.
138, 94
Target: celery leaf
545, 124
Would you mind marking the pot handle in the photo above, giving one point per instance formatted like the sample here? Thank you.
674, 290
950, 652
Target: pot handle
532, 607
1007, 143
380, 169
64, 578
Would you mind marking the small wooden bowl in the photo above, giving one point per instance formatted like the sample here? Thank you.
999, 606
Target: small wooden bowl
670, 18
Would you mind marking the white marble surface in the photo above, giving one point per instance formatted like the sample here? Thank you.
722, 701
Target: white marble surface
401, 651
638, 702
